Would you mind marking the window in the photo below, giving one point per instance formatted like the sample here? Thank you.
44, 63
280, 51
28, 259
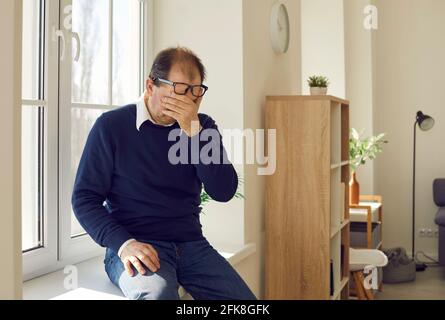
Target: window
97, 61
108, 71
32, 123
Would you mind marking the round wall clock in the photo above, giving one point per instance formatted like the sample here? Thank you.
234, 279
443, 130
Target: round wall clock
279, 28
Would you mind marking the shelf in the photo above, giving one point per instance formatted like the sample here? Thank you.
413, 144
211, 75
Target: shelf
339, 228
339, 165
343, 284
360, 214
307, 98
320, 200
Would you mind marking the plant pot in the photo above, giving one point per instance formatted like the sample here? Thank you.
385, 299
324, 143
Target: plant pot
318, 91
354, 190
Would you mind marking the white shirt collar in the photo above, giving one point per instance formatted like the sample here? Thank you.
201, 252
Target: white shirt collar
143, 115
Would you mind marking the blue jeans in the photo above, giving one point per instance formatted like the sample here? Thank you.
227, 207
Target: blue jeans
195, 265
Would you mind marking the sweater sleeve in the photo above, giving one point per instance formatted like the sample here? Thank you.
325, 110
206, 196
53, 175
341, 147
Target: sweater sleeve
219, 177
91, 187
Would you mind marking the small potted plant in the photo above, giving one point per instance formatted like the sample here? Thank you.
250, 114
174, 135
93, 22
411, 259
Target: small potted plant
360, 151
318, 85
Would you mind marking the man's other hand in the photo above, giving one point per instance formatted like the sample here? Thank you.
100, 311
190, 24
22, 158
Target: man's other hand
138, 254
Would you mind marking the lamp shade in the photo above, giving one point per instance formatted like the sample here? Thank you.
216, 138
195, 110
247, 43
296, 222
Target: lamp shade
425, 122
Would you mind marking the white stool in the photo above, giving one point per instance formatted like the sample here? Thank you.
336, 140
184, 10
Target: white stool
359, 260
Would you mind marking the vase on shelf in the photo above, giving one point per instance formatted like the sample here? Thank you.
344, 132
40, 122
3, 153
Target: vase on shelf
354, 190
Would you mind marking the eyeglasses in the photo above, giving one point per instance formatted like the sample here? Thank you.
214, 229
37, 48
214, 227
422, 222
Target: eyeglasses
182, 88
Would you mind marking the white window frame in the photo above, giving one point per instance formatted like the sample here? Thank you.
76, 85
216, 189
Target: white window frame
59, 248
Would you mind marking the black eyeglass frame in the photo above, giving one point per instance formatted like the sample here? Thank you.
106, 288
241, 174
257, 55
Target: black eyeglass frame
189, 87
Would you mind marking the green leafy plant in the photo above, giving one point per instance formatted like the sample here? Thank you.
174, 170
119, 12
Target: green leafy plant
318, 82
364, 149
205, 198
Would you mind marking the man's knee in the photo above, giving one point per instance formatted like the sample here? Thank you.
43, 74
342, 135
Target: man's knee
149, 288
153, 294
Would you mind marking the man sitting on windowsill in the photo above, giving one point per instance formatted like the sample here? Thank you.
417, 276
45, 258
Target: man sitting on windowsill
150, 223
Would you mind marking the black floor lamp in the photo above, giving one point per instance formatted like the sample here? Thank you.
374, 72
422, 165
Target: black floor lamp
425, 123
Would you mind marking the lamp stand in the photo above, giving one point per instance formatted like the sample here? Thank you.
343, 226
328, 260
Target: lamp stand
419, 266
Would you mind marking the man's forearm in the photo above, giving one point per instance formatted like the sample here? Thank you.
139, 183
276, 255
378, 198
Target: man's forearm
98, 222
216, 173
220, 181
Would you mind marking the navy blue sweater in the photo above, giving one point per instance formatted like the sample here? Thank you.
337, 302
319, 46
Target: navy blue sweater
146, 197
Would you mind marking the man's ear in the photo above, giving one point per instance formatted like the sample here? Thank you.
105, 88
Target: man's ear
149, 84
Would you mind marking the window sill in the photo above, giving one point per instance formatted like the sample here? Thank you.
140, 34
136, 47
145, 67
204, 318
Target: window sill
94, 284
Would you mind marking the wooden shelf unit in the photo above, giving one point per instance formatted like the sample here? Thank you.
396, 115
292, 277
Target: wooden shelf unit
307, 212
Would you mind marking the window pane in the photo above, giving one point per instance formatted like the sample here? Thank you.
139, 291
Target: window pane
90, 73
82, 120
31, 188
30, 52
126, 51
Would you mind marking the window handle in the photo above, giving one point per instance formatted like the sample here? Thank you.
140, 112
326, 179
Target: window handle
56, 34
76, 37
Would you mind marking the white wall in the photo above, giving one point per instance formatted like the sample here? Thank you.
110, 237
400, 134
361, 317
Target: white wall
213, 30
10, 91
335, 43
359, 80
322, 43
409, 73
